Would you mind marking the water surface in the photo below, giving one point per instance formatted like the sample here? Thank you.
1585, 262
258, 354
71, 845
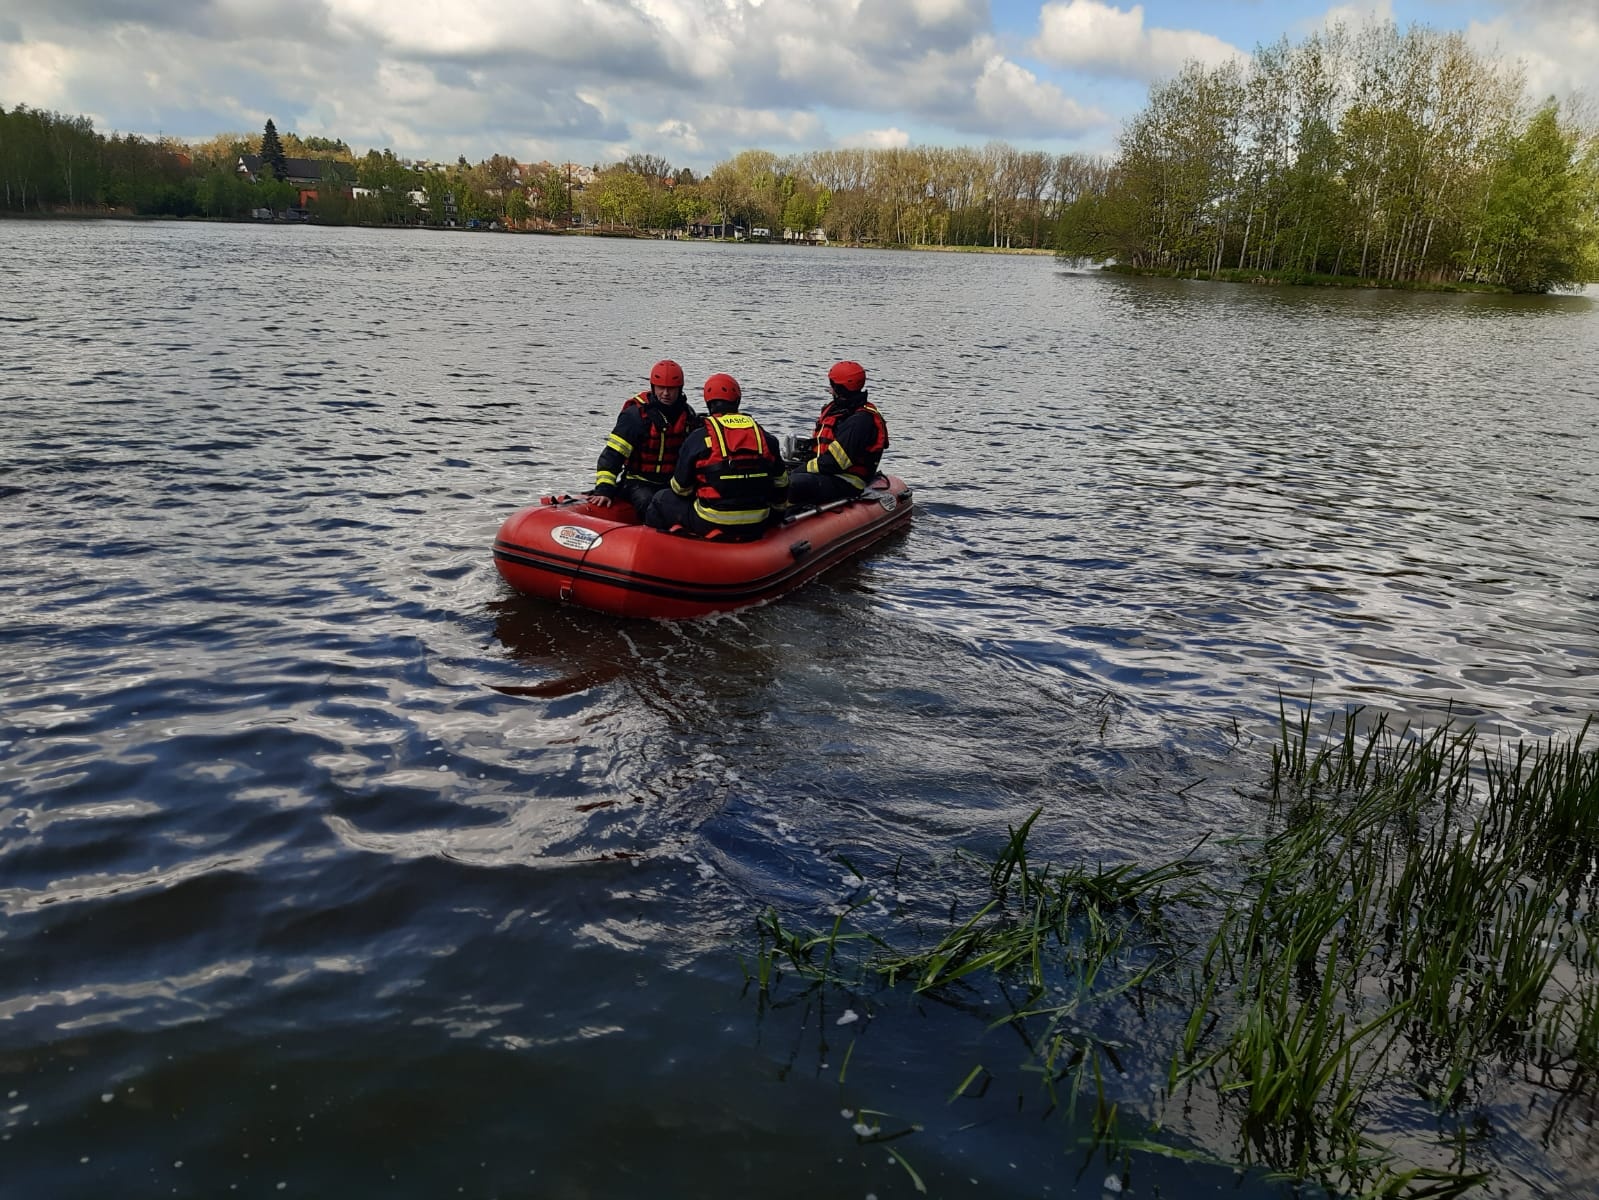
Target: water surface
327, 865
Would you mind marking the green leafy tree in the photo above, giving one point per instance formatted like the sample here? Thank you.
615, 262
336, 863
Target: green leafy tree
724, 188
471, 203
28, 168
498, 174
221, 152
335, 202
618, 197
1388, 154
1541, 216
438, 196
392, 182
550, 194
799, 214
75, 149
224, 194
1106, 220
150, 178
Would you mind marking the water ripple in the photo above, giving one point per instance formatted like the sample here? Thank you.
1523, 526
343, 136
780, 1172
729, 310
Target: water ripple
292, 790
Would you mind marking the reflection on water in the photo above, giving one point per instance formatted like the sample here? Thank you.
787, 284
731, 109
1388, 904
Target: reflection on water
332, 864
566, 658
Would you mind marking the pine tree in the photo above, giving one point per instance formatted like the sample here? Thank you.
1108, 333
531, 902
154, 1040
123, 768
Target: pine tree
272, 156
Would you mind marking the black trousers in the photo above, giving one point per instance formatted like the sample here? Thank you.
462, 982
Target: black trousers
641, 494
805, 489
669, 509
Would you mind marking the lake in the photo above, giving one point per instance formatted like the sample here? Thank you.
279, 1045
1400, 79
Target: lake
329, 866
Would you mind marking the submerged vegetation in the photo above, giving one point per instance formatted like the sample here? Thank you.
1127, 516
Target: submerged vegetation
1382, 155
1398, 969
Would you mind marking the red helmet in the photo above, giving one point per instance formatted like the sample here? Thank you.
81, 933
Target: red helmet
723, 389
666, 373
850, 376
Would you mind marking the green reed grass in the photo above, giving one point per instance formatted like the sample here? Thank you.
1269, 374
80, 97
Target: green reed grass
816, 957
1419, 915
1417, 919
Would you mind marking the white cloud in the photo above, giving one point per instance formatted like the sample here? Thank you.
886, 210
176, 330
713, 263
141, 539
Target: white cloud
1557, 43
745, 127
1091, 36
405, 84
34, 74
888, 27
576, 33
942, 12
876, 139
1011, 95
679, 135
694, 78
1354, 15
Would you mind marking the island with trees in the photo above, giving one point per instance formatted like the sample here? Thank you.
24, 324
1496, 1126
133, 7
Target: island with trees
1375, 157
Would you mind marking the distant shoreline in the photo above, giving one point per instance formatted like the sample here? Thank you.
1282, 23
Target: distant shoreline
642, 235
1226, 275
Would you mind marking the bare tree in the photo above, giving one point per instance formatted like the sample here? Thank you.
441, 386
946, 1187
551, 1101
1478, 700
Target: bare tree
652, 166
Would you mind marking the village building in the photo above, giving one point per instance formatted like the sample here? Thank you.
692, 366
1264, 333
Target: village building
306, 175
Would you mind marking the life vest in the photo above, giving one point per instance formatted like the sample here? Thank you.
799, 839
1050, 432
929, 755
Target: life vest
657, 457
861, 472
734, 481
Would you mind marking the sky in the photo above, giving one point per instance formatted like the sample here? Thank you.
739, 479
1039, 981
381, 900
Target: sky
693, 81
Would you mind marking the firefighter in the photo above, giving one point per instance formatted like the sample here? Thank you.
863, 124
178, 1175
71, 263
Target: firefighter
848, 443
730, 478
642, 450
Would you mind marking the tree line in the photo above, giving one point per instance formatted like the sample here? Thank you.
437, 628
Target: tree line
50, 161
927, 195
1379, 154
992, 196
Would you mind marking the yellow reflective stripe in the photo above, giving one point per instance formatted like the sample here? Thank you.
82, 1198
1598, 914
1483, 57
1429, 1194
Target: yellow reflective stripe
621, 445
814, 467
605, 477
721, 437
840, 456
738, 516
856, 482
663, 465
680, 489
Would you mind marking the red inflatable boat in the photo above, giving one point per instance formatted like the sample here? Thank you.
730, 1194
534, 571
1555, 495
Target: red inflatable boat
564, 548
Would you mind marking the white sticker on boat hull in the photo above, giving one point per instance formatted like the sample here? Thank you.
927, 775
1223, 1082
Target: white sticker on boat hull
575, 537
